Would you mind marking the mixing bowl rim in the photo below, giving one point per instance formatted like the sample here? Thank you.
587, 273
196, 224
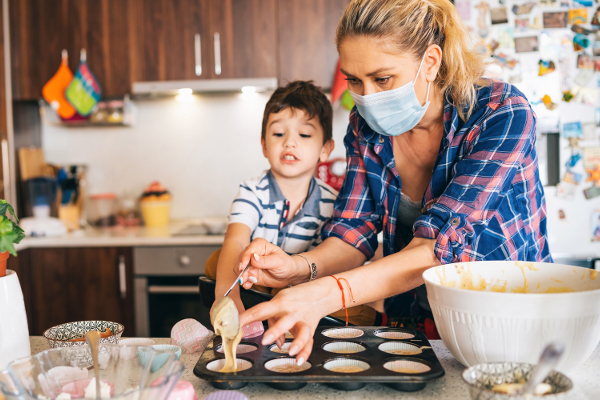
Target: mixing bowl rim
116, 333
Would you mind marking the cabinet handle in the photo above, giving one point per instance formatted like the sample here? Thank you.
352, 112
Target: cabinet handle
217, 54
122, 277
198, 54
155, 289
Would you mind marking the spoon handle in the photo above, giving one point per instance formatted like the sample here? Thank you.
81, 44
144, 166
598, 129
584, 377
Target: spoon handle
92, 338
548, 360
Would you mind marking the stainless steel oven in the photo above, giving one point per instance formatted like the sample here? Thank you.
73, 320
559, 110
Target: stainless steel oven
166, 287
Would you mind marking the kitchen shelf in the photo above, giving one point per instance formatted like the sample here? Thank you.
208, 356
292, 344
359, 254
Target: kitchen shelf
129, 116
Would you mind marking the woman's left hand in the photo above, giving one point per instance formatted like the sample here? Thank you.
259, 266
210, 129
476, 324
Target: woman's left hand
298, 310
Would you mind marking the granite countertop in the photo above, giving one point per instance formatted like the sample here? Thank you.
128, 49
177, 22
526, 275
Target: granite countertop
125, 237
450, 386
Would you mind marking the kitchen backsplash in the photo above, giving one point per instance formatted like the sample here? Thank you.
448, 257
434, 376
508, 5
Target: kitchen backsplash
200, 150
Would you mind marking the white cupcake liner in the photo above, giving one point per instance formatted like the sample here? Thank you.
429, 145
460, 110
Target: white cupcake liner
272, 365
344, 347
406, 367
216, 365
129, 353
352, 366
285, 349
400, 349
241, 348
343, 333
390, 334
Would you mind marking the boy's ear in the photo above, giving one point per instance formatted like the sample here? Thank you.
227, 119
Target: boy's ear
263, 143
326, 150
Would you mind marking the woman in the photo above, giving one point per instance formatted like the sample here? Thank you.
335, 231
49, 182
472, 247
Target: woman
440, 159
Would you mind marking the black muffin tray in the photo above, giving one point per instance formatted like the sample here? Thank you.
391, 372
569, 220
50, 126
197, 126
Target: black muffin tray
375, 358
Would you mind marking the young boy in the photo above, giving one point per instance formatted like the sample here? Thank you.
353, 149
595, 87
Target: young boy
285, 205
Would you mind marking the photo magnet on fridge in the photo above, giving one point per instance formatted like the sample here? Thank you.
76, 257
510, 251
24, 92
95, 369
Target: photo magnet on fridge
555, 19
526, 44
578, 16
582, 3
572, 177
565, 191
595, 226
499, 15
572, 129
591, 192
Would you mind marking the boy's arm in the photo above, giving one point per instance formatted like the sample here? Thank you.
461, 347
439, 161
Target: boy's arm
237, 239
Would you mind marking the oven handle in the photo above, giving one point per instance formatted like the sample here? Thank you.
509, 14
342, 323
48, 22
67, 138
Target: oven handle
157, 289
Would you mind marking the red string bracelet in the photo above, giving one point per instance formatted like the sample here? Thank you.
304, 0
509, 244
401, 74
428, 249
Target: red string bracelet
343, 295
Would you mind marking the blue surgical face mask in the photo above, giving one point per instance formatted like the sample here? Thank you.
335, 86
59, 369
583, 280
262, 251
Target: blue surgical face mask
392, 112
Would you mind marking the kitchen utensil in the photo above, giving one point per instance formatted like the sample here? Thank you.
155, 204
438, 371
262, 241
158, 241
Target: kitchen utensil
44, 374
481, 378
63, 335
426, 365
14, 333
497, 322
54, 90
92, 338
237, 280
548, 360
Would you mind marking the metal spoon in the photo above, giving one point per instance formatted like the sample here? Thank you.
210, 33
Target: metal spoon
92, 338
548, 360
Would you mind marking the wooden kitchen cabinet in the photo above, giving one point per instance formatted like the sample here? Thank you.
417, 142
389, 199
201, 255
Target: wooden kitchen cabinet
75, 284
306, 40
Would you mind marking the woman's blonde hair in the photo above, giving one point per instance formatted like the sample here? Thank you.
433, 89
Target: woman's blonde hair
414, 25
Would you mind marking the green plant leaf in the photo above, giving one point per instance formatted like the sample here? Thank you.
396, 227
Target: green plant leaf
4, 206
6, 243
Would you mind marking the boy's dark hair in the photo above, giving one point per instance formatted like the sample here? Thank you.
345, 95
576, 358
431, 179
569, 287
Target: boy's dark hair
305, 96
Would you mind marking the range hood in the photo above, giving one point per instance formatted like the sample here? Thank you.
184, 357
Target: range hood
204, 86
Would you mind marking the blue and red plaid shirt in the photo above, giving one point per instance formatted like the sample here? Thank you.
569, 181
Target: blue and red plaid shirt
485, 200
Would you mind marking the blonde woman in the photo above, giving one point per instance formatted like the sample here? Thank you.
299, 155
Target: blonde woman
439, 159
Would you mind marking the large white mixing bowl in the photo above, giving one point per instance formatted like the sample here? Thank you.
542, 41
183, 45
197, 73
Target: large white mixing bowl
492, 311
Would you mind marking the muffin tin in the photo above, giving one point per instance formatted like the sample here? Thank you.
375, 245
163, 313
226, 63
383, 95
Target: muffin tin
318, 369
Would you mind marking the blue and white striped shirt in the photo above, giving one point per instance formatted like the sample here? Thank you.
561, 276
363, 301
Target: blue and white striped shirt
261, 206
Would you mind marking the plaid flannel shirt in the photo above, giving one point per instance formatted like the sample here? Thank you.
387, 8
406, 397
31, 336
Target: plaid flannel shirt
485, 200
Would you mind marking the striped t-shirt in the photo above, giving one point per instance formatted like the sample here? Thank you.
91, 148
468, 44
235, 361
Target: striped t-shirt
261, 206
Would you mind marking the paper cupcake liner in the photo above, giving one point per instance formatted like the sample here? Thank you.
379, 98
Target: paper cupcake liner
277, 364
343, 333
391, 334
241, 348
289, 335
406, 367
400, 349
285, 349
216, 365
344, 347
346, 366
130, 353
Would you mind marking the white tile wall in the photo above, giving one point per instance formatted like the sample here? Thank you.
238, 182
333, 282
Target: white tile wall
200, 150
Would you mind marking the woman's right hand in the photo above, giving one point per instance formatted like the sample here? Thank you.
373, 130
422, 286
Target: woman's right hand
270, 266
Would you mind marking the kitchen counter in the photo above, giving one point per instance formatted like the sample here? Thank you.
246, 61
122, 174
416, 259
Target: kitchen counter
125, 237
450, 386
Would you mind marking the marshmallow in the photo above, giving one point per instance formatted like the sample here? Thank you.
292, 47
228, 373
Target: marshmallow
190, 335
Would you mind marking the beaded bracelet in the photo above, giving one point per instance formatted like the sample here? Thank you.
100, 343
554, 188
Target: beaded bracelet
343, 295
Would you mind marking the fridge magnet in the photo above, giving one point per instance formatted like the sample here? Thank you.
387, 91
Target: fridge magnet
537, 23
521, 24
547, 100
561, 214
596, 64
523, 9
482, 27
574, 143
499, 15
566, 191
506, 60
548, 3
596, 17
597, 116
589, 134
572, 177
506, 37
464, 9
493, 45
546, 67
516, 78
580, 42
568, 96
593, 175
585, 95
483, 48
584, 76
573, 160
526, 44
591, 156
596, 48
596, 226
582, 3
555, 19
572, 129
565, 3
564, 66
591, 192
581, 29
578, 16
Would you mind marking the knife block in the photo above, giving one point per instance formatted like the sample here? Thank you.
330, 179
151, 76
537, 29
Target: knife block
14, 333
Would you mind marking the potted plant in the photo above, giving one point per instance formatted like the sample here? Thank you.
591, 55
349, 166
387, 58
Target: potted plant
10, 234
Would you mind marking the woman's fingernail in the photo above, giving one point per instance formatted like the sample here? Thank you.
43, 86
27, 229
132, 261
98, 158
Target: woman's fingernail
293, 350
300, 361
268, 339
252, 279
241, 281
256, 257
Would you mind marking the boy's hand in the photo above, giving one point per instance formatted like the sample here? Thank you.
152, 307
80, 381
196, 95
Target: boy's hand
270, 266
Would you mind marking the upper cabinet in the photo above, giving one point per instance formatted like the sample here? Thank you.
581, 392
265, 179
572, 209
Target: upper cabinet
306, 40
